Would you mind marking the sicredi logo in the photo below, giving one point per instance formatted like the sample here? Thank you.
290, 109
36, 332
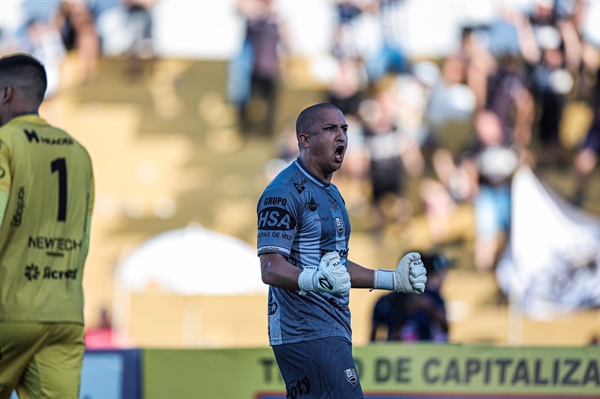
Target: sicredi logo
32, 272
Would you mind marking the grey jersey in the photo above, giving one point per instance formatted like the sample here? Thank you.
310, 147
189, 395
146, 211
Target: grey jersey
302, 218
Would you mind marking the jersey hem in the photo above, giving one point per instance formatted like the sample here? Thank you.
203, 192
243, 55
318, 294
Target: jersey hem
62, 321
306, 339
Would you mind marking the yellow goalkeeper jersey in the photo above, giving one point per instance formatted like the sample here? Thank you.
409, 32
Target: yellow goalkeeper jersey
44, 235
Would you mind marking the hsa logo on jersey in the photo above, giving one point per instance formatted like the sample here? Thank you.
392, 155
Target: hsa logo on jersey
272, 218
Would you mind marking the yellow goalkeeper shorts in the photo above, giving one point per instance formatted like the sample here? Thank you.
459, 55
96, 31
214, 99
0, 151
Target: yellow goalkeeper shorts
41, 360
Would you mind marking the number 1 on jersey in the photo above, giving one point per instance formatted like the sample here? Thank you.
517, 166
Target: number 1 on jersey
60, 165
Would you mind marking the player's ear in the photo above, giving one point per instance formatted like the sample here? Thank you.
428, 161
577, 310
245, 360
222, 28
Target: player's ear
304, 140
7, 94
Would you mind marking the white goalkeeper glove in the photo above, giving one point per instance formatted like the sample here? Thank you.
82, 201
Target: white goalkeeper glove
409, 277
331, 276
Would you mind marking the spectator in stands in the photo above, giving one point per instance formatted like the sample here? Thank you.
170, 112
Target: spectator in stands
45, 43
78, 31
257, 67
551, 49
470, 201
9, 43
102, 336
478, 63
344, 35
483, 176
382, 141
389, 56
140, 22
450, 98
509, 97
588, 91
412, 318
586, 158
346, 89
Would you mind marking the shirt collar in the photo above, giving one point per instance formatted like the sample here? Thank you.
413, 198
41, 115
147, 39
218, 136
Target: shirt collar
309, 174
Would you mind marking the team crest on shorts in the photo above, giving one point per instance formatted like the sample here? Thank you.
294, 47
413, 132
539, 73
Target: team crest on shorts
351, 376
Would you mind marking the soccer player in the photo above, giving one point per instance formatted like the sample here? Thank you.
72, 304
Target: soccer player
46, 201
303, 233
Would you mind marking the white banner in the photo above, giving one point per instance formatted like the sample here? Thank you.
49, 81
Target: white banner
551, 263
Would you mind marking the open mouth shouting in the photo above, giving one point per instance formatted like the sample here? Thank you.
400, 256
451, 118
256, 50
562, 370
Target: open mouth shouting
339, 153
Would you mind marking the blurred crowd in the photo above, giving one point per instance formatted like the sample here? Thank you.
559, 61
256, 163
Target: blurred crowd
49, 30
520, 90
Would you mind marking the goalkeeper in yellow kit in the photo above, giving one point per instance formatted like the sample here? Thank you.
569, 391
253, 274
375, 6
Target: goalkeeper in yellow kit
46, 202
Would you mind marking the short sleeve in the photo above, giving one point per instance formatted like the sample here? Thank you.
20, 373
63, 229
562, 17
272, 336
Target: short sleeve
277, 213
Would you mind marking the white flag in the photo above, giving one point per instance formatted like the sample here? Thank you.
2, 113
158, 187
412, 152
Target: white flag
551, 263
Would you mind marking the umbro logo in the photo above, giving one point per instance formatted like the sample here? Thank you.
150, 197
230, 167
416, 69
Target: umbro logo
300, 186
325, 283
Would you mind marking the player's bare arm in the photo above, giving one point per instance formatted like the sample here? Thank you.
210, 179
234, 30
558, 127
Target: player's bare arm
360, 277
329, 276
278, 272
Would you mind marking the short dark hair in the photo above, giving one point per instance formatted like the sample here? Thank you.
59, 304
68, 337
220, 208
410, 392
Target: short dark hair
306, 118
28, 70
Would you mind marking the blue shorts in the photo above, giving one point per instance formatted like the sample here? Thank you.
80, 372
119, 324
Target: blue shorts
321, 368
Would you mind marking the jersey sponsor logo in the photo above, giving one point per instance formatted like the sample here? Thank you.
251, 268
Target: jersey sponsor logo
321, 220
32, 136
311, 205
351, 376
274, 234
339, 226
278, 201
273, 308
17, 218
300, 186
298, 388
32, 272
342, 252
271, 218
50, 274
54, 243
336, 304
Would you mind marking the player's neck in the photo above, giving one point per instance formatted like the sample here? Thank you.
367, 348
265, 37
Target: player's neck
315, 169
